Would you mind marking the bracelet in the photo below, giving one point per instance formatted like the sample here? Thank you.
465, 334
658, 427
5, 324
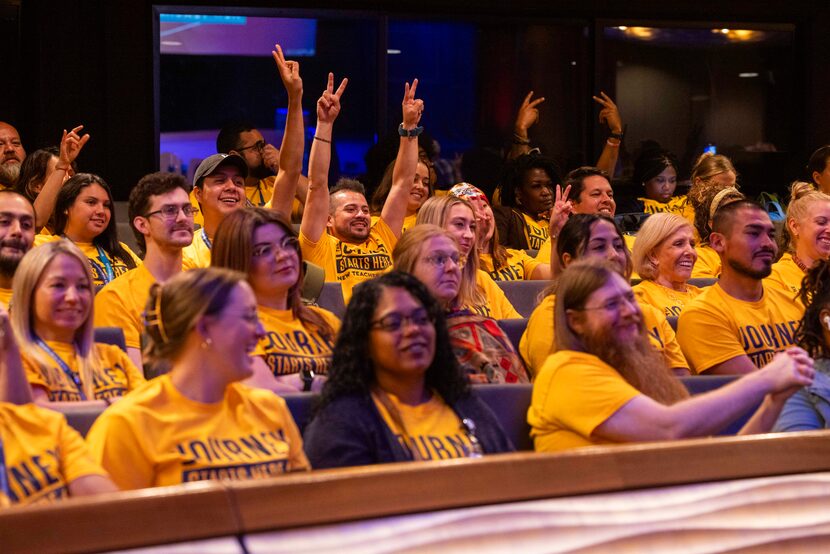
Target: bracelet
618, 136
321, 139
520, 140
612, 144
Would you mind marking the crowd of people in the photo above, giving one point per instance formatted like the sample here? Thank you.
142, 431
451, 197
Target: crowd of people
217, 323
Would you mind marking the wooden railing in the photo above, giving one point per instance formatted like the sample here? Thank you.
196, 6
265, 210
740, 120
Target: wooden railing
232, 509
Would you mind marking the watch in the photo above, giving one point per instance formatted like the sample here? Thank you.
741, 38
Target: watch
307, 375
409, 132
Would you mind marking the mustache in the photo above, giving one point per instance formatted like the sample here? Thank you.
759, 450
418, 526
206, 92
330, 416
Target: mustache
20, 244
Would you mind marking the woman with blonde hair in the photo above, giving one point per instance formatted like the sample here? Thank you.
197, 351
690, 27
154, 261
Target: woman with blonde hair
483, 349
711, 175
198, 421
52, 321
478, 291
298, 339
806, 236
664, 256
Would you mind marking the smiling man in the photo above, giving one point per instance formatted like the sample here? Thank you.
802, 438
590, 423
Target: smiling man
738, 324
12, 155
219, 187
17, 233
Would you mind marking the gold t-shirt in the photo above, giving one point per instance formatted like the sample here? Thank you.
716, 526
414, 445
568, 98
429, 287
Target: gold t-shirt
97, 265
670, 301
786, 276
536, 231
497, 306
520, 266
121, 303
708, 263
289, 347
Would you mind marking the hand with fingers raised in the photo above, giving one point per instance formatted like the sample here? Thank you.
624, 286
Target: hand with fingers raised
412, 107
289, 73
328, 106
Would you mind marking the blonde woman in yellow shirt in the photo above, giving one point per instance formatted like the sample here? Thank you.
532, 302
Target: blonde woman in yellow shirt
664, 256
297, 346
806, 237
199, 422
53, 323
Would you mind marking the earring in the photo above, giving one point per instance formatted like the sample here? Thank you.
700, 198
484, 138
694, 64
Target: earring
207, 343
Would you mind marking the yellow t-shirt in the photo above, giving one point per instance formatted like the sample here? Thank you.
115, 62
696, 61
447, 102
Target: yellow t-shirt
116, 376
5, 297
289, 347
121, 304
156, 436
537, 342
197, 254
96, 266
708, 263
786, 275
259, 195
536, 232
497, 306
408, 221
43, 454
663, 298
543, 255
519, 266
573, 394
715, 327
434, 429
678, 205
350, 264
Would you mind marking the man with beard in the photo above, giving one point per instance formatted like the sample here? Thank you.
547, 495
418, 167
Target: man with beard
738, 324
17, 233
354, 250
605, 384
12, 155
162, 220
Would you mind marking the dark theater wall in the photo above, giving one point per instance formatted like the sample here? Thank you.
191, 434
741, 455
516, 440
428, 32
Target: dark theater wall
91, 61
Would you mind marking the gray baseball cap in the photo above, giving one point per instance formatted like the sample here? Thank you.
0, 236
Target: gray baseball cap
210, 164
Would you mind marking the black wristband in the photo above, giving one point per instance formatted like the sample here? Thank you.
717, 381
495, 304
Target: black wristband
618, 136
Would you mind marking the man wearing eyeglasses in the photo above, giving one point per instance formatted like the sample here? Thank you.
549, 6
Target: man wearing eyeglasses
162, 220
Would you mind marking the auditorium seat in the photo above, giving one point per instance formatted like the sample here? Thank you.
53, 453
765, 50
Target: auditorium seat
523, 294
672, 319
697, 384
514, 329
111, 335
510, 404
300, 405
331, 298
702, 281
80, 416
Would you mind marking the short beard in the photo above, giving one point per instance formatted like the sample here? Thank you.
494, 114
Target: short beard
8, 266
260, 172
747, 271
9, 174
639, 364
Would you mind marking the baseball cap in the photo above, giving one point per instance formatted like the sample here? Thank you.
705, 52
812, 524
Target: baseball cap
210, 164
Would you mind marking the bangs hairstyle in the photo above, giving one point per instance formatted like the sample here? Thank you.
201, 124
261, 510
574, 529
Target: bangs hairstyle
411, 245
515, 171
233, 248
108, 239
815, 295
24, 285
174, 308
352, 370
655, 230
382, 192
436, 211
802, 196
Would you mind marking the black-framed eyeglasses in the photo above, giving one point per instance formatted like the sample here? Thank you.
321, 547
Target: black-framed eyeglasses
394, 322
171, 211
259, 145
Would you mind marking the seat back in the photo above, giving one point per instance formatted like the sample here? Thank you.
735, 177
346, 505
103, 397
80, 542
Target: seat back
523, 294
510, 403
111, 335
514, 329
698, 384
702, 281
331, 298
300, 405
80, 416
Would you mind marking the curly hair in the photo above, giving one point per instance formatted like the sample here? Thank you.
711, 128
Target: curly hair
815, 295
352, 370
515, 171
704, 189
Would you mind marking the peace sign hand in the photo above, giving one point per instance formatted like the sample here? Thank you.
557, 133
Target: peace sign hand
71, 145
289, 72
609, 114
561, 211
412, 107
528, 113
328, 106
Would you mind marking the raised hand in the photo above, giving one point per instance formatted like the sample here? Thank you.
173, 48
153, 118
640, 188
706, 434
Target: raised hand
71, 145
271, 157
528, 114
561, 211
609, 114
328, 106
412, 107
289, 72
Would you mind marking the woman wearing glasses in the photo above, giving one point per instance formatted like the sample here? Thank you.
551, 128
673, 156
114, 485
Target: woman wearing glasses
84, 215
298, 339
395, 392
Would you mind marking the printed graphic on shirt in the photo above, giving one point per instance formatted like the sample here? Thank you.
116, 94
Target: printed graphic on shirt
252, 456
296, 351
37, 478
536, 232
355, 261
762, 341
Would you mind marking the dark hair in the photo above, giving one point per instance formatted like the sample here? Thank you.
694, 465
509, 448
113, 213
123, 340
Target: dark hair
352, 371
228, 137
818, 161
725, 215
515, 171
33, 170
650, 163
576, 234
348, 184
153, 184
576, 180
815, 295
233, 248
382, 191
108, 239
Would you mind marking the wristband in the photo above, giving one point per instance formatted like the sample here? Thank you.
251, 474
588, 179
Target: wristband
612, 144
410, 133
618, 136
307, 375
321, 139
59, 168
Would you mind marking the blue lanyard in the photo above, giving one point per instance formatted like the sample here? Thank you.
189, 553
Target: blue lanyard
206, 239
67, 371
108, 273
4, 477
